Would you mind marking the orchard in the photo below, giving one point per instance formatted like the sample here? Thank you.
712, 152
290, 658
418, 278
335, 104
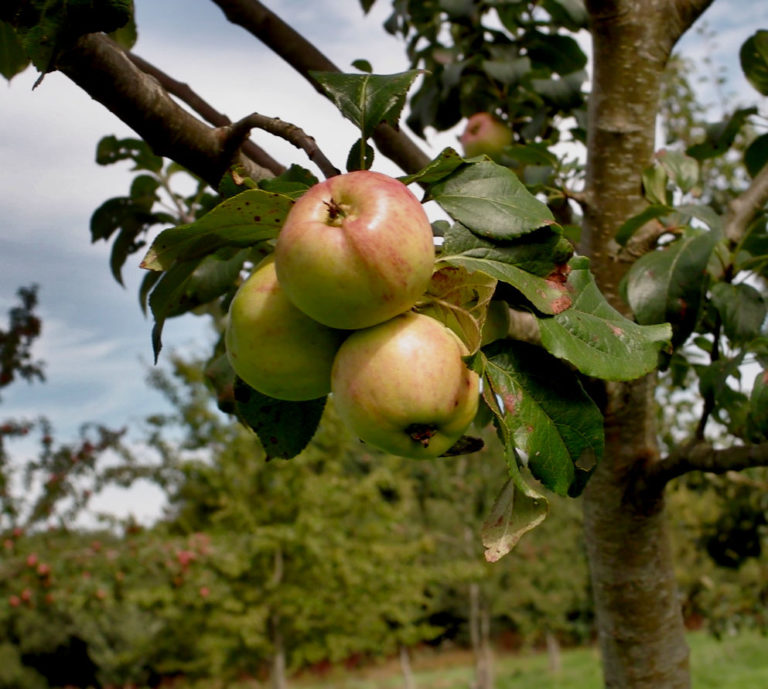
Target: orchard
503, 286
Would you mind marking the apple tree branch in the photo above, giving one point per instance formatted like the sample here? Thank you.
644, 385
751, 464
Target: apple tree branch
187, 95
102, 69
240, 130
304, 57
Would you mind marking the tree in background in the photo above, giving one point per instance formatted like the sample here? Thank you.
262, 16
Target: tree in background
658, 250
303, 553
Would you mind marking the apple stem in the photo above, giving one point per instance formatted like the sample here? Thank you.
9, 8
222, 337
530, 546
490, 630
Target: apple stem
421, 432
335, 211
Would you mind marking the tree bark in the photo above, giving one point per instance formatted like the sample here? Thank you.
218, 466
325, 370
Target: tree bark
277, 676
103, 70
554, 653
480, 638
405, 666
639, 619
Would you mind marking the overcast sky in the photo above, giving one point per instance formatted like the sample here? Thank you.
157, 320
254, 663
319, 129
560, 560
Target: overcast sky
96, 343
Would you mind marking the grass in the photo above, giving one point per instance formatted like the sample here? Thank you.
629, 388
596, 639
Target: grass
738, 662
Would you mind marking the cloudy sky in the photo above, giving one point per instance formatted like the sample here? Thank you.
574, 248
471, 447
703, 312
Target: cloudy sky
96, 343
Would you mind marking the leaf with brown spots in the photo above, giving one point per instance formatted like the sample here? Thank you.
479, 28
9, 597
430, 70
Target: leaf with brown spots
545, 412
533, 266
596, 338
517, 510
240, 221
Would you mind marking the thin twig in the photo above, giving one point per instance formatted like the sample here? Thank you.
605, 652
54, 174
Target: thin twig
743, 208
701, 456
643, 241
649, 479
240, 130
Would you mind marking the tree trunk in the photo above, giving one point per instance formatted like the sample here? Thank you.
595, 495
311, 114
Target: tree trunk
480, 639
554, 656
639, 619
484, 670
405, 667
278, 678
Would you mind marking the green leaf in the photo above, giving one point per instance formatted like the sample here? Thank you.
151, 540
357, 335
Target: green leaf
683, 169
59, 23
119, 212
111, 150
368, 99
669, 284
507, 70
705, 214
559, 52
284, 428
634, 223
13, 59
360, 156
754, 60
720, 135
528, 154
441, 167
547, 414
596, 338
187, 285
147, 284
363, 66
758, 403
240, 221
126, 35
742, 310
655, 185
165, 295
144, 190
531, 267
756, 155
212, 277
564, 93
491, 201
713, 384
292, 183
124, 245
570, 14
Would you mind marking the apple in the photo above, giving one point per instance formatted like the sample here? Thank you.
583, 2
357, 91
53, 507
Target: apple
402, 386
274, 347
485, 135
355, 250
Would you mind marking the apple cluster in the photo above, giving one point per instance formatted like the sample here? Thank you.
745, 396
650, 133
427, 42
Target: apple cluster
331, 311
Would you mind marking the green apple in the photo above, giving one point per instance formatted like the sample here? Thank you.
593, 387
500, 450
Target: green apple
485, 135
274, 347
402, 386
355, 250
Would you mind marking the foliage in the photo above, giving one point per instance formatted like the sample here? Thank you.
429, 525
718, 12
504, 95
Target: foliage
16, 341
